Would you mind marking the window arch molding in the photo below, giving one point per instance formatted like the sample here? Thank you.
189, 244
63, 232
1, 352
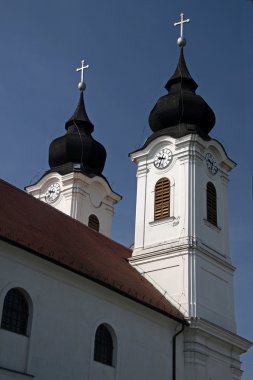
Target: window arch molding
29, 303
110, 360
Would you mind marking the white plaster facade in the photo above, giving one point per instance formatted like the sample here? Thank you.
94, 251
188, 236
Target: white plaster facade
65, 311
80, 197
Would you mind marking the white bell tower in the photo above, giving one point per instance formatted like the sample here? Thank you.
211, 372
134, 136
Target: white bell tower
75, 184
181, 229
181, 232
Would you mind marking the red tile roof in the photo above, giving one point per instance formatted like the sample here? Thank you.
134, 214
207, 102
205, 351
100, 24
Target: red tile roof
52, 235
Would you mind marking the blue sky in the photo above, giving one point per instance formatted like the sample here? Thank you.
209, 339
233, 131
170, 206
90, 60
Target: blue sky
131, 49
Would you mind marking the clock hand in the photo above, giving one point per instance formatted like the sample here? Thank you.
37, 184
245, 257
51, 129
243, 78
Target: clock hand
160, 158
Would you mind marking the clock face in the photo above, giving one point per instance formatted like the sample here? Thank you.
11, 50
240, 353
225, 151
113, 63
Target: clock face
53, 192
211, 164
163, 158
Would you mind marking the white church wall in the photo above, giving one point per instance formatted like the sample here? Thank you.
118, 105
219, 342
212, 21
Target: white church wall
168, 271
67, 309
13, 350
215, 295
10, 375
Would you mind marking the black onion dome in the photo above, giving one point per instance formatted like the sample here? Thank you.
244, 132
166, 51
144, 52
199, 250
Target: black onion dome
181, 111
77, 149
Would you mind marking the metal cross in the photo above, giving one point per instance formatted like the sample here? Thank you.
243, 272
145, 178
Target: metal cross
181, 23
82, 68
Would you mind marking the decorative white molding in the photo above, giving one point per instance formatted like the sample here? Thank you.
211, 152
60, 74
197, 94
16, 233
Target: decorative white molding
212, 330
80, 197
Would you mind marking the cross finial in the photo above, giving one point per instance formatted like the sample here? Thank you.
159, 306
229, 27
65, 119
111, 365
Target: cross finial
81, 85
181, 41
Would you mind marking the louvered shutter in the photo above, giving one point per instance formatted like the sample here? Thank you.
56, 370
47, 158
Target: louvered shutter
162, 199
211, 203
93, 222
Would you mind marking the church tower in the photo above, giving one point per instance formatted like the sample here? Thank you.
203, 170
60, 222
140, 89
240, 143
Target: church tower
181, 229
75, 184
181, 232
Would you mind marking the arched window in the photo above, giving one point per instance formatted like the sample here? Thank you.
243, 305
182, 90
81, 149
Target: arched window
93, 222
15, 312
162, 199
211, 203
103, 348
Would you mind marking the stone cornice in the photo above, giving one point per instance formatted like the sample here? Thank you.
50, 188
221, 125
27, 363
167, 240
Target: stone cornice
211, 330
